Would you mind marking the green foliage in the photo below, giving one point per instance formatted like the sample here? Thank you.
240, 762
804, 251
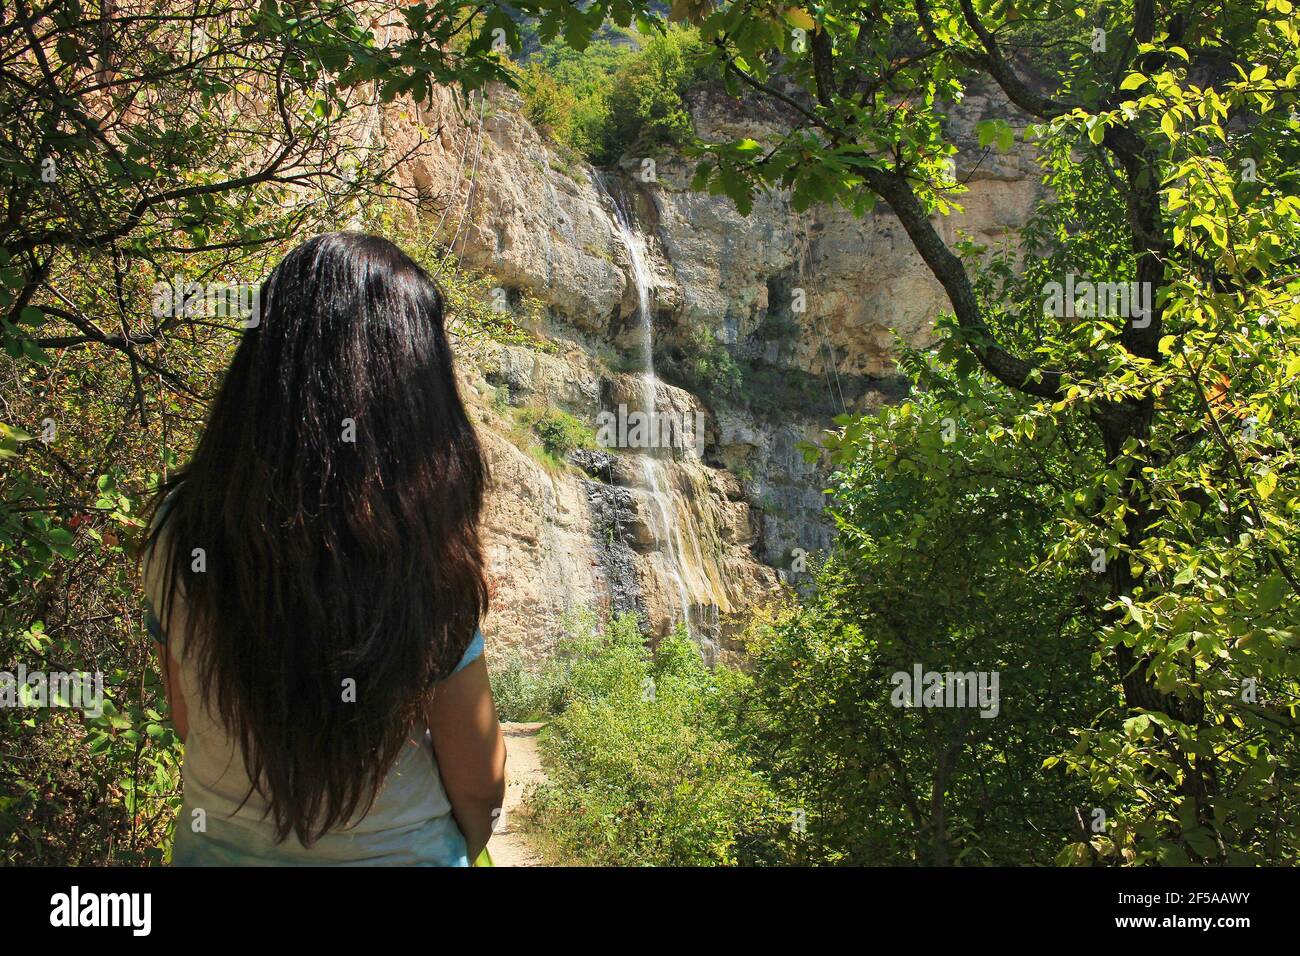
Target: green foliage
561, 433
80, 788
1169, 438
550, 434
646, 105
937, 565
540, 691
705, 366
566, 93
525, 693
612, 98
642, 770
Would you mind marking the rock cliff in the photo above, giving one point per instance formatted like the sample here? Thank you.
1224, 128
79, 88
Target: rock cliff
708, 529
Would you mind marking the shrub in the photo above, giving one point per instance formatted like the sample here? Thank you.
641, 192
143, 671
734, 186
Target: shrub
647, 109
566, 93
561, 433
548, 105
611, 97
941, 573
642, 770
705, 366
469, 295
524, 693
558, 432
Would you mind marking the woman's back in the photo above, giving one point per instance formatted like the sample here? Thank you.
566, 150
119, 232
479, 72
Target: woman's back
225, 822
318, 579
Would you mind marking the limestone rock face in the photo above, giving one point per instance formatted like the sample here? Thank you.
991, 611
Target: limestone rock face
537, 531
515, 207
862, 280
699, 533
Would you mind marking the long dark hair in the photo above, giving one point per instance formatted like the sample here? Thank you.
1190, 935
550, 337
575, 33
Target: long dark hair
335, 495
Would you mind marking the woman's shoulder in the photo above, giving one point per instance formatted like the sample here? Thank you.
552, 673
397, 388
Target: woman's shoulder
472, 653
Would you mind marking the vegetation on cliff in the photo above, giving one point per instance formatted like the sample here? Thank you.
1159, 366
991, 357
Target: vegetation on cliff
611, 99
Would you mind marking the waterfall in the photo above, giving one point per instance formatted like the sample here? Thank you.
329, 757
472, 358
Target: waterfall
663, 524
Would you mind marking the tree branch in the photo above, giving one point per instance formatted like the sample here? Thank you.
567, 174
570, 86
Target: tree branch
1009, 369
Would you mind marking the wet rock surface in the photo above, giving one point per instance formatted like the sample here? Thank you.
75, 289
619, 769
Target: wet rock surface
589, 532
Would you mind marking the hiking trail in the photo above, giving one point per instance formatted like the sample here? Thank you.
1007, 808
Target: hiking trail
512, 846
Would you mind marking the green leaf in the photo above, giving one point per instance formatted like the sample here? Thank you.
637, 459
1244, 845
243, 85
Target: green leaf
798, 17
1266, 484
1202, 841
1271, 593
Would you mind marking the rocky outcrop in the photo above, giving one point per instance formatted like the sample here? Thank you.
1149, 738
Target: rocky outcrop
591, 532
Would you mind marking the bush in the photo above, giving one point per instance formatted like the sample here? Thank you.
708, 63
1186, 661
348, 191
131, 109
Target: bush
557, 432
611, 97
939, 571
705, 366
642, 768
561, 433
523, 693
566, 93
647, 109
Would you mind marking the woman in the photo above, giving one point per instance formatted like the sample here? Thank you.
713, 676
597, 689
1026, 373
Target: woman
319, 583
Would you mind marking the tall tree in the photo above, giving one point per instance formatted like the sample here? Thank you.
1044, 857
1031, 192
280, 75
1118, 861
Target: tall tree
1168, 137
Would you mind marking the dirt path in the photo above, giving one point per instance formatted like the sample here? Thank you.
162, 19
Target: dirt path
510, 846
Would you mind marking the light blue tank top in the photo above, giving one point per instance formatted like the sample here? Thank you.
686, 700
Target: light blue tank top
409, 823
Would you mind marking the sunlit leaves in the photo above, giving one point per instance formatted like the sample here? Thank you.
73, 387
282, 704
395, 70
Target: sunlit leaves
1196, 511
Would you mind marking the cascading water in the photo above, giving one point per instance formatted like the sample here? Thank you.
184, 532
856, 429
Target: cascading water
667, 531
